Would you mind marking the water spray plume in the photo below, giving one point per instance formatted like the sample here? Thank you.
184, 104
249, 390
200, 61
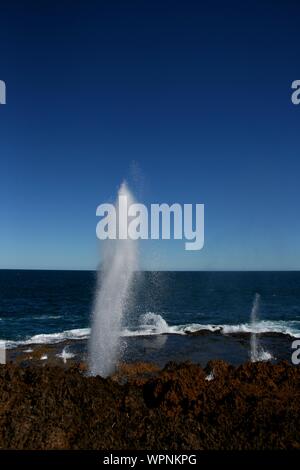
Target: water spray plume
257, 353
254, 316
119, 262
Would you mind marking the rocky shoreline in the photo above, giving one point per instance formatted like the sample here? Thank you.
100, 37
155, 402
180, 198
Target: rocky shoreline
181, 407
198, 347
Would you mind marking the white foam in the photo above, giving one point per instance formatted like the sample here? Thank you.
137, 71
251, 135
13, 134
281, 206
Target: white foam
291, 328
261, 355
50, 338
154, 324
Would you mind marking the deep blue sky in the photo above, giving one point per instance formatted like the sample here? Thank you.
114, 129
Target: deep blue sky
197, 94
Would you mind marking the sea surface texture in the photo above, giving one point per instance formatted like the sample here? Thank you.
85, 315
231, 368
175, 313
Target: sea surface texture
46, 307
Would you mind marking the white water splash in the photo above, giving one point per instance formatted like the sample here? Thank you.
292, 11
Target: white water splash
210, 376
257, 353
115, 278
153, 323
65, 355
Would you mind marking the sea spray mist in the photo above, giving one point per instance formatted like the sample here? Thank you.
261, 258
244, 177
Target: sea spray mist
115, 276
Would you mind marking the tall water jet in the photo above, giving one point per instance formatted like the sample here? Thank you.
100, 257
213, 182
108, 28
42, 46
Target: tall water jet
254, 354
119, 262
257, 353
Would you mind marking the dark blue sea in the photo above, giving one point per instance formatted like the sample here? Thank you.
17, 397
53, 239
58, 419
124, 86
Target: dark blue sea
48, 307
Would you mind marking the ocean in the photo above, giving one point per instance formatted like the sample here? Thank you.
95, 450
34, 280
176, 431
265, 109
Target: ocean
49, 307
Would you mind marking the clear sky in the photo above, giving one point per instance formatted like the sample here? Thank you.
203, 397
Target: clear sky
197, 94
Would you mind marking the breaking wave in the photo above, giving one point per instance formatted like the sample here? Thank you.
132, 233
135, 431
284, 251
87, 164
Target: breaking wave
154, 324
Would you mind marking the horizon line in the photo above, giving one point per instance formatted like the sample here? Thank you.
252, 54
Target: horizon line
155, 270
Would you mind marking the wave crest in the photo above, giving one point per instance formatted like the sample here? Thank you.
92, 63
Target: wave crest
154, 324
